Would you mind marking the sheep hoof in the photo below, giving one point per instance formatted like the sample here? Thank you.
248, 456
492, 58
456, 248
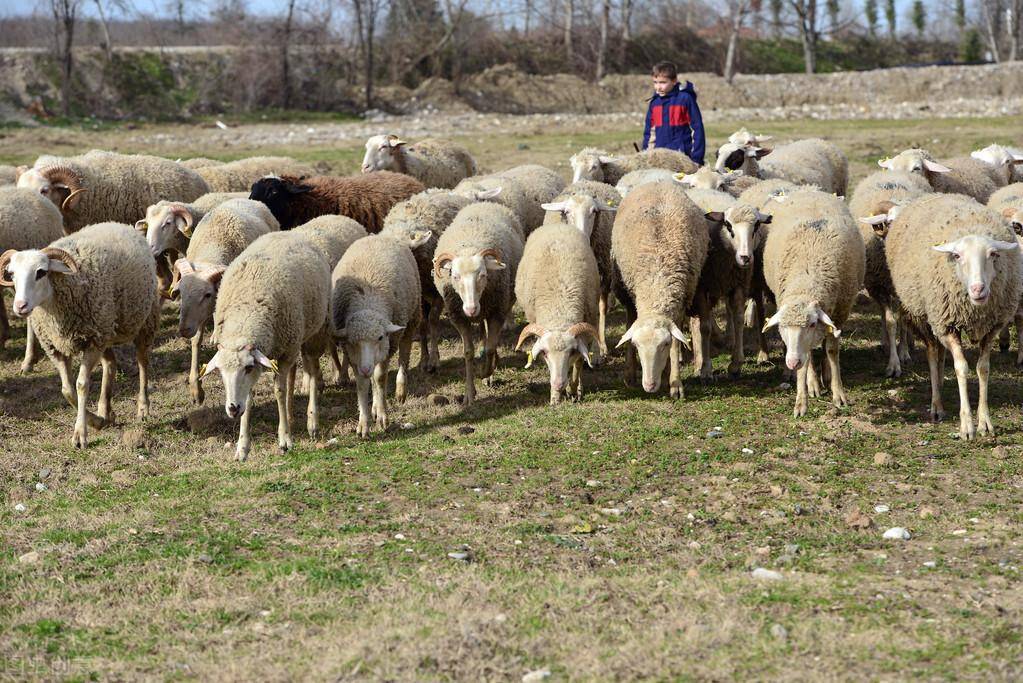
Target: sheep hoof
937, 415
78, 438
893, 371
984, 426
27, 368
198, 396
241, 453
762, 358
285, 444
966, 430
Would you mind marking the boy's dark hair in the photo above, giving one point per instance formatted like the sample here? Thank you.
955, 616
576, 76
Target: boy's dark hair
666, 69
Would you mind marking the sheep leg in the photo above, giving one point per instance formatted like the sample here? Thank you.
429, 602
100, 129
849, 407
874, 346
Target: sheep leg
891, 325
984, 425
63, 365
802, 400
1019, 337
434, 326
241, 451
106, 387
735, 309
760, 315
5, 326
675, 389
465, 331
935, 362
1003, 339
90, 357
362, 390
424, 336
813, 384
602, 321
953, 343
290, 394
404, 355
281, 382
194, 382
31, 344
493, 338
339, 378
312, 415
831, 348
885, 343
575, 383
905, 340
380, 394
142, 362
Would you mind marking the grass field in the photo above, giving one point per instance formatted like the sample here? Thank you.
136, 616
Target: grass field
611, 539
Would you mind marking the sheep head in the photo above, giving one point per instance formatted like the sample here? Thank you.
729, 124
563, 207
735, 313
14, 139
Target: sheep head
279, 193
467, 274
29, 273
367, 339
239, 366
165, 225
741, 223
653, 338
588, 164
1002, 159
579, 211
197, 287
382, 153
59, 183
735, 157
1014, 214
802, 327
882, 217
914, 161
559, 349
975, 259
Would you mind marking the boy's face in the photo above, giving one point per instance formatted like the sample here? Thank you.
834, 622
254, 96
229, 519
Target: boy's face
663, 84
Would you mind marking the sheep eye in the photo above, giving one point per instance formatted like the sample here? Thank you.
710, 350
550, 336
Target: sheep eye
40, 274
381, 338
206, 295
249, 368
955, 255
44, 190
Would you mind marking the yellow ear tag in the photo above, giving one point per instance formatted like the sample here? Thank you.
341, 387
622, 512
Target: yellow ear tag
202, 369
273, 366
766, 327
169, 292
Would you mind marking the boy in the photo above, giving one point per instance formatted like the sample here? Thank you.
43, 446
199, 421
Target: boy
673, 115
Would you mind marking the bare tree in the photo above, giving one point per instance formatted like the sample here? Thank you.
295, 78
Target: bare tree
569, 11
107, 43
738, 10
65, 14
1012, 27
367, 13
605, 19
806, 22
285, 40
989, 13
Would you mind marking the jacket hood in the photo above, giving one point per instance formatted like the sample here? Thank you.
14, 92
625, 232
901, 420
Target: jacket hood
686, 87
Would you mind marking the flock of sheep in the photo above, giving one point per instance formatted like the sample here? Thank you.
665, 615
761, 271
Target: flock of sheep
285, 265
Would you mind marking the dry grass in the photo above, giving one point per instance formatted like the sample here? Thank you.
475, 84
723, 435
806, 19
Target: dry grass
160, 557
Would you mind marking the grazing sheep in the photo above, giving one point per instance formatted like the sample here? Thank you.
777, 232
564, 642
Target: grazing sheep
1004, 163
272, 307
556, 285
589, 207
195, 163
104, 186
540, 184
474, 270
375, 309
332, 235
433, 162
962, 175
238, 176
956, 269
633, 179
706, 178
813, 262
874, 203
220, 237
804, 162
507, 192
426, 216
659, 245
596, 164
1008, 201
86, 293
27, 221
366, 198
727, 273
168, 227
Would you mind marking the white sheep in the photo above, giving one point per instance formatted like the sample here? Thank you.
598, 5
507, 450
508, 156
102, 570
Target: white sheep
804, 162
1005, 163
27, 221
541, 186
474, 270
706, 178
633, 179
961, 175
659, 245
375, 310
1008, 201
104, 186
238, 176
955, 266
434, 162
557, 285
222, 234
596, 164
507, 192
419, 221
589, 207
272, 307
86, 293
813, 262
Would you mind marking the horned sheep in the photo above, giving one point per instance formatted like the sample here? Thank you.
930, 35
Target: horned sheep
365, 198
84, 294
375, 311
556, 285
474, 270
433, 162
272, 308
814, 263
955, 266
659, 245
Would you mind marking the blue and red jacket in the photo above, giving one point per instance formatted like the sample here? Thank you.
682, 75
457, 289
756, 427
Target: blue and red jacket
676, 122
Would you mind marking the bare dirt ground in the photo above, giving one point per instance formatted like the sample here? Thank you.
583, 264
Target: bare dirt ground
610, 539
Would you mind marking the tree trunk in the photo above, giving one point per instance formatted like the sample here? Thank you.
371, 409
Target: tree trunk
529, 14
626, 19
1013, 27
991, 32
733, 44
605, 19
285, 63
809, 52
569, 11
107, 43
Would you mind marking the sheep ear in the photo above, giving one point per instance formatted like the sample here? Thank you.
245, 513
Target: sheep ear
484, 195
395, 141
998, 245
759, 152
764, 218
184, 266
732, 175
947, 248
627, 337
212, 366
679, 335
886, 163
584, 351
1009, 212
605, 159
493, 263
419, 238
715, 216
772, 321
602, 206
213, 274
875, 220
142, 226
261, 358
392, 328
935, 167
826, 319
554, 206
57, 266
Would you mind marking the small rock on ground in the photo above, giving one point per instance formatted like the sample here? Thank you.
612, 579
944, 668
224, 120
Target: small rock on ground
537, 676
